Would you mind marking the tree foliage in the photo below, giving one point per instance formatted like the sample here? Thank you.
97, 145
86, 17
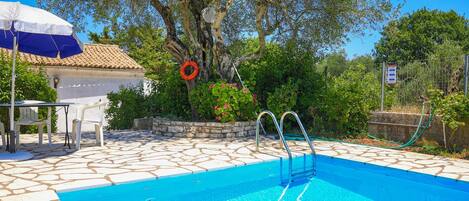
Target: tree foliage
415, 36
313, 24
335, 63
144, 43
203, 30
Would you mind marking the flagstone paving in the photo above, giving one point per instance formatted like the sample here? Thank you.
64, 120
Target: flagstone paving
139, 155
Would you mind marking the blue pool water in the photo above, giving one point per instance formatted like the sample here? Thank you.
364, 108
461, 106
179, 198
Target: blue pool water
335, 180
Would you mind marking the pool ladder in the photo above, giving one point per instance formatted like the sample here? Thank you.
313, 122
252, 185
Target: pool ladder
292, 176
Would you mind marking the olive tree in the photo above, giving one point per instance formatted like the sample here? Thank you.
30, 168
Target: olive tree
203, 30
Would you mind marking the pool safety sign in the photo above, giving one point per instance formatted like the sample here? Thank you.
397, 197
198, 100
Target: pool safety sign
391, 76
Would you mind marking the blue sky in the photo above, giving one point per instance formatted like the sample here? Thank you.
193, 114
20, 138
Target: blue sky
358, 44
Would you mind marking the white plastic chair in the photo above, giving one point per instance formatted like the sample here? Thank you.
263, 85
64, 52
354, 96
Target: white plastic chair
29, 116
98, 123
2, 133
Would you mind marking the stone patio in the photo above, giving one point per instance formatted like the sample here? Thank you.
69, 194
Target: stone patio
139, 155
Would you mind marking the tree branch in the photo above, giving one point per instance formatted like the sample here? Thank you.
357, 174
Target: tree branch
221, 13
261, 13
174, 45
186, 23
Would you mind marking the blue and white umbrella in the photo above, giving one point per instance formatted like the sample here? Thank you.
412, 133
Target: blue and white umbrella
32, 30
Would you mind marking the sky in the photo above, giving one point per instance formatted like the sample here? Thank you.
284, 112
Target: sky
358, 44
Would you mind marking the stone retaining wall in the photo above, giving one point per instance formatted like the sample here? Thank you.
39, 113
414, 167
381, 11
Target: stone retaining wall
143, 124
165, 127
401, 132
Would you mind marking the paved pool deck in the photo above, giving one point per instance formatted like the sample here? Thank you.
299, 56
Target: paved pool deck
139, 155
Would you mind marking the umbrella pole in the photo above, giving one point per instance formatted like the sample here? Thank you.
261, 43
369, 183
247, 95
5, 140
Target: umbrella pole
12, 147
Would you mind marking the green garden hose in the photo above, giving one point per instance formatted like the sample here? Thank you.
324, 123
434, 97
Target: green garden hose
422, 126
418, 132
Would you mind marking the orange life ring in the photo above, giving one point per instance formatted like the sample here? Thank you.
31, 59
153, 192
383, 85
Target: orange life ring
194, 73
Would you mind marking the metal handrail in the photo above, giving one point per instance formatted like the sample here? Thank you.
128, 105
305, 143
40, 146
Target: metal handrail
305, 135
280, 133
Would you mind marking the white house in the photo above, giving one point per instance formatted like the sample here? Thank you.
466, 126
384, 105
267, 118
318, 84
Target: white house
88, 77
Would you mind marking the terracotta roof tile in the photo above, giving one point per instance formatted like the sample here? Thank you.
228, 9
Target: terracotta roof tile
94, 56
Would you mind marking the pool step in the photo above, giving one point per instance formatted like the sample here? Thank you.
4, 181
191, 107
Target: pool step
299, 178
301, 174
308, 173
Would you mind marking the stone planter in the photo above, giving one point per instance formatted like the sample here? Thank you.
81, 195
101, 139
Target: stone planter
170, 128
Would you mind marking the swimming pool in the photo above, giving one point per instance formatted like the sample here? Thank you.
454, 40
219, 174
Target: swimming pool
336, 179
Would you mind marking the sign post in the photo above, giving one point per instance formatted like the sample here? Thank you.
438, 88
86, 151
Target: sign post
466, 73
391, 74
382, 85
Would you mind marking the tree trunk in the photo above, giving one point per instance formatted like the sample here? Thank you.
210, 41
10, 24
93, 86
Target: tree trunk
206, 44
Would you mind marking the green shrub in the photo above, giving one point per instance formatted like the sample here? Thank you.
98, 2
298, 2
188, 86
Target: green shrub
124, 106
283, 99
203, 101
169, 96
349, 100
281, 67
232, 103
223, 102
453, 108
29, 85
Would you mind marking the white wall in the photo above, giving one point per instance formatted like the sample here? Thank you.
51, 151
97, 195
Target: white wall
87, 87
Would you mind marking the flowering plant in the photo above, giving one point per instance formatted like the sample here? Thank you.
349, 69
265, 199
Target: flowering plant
224, 102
